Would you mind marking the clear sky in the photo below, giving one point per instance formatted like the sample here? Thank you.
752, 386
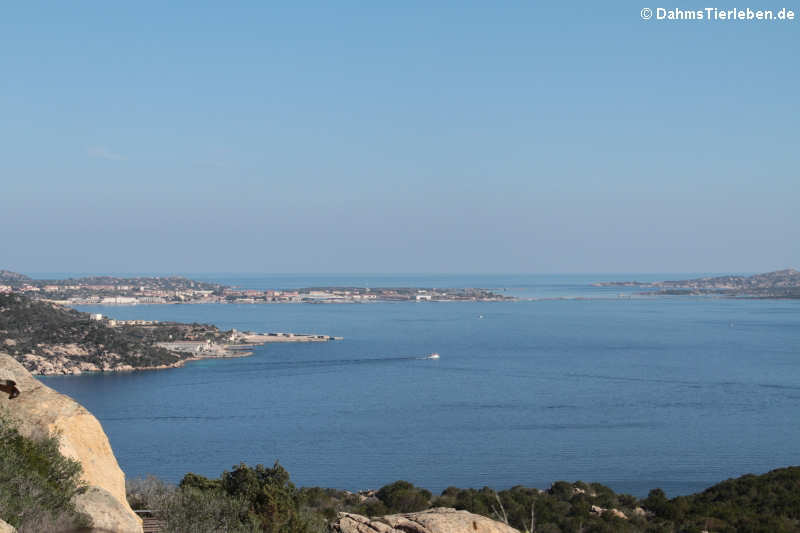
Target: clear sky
409, 136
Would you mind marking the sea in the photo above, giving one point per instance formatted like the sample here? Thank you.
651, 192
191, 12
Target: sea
570, 382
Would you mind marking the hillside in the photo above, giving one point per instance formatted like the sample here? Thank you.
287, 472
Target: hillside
12, 278
47, 338
769, 502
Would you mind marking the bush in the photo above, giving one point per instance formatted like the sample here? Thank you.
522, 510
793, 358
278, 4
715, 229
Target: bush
188, 508
243, 500
271, 495
403, 497
37, 483
197, 511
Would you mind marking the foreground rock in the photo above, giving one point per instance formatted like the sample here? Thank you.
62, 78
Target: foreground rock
5, 528
41, 411
437, 520
107, 512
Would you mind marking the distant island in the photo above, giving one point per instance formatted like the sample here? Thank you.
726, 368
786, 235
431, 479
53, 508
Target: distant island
778, 284
50, 339
108, 290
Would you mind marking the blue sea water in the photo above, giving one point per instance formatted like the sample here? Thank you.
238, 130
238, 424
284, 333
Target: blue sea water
635, 393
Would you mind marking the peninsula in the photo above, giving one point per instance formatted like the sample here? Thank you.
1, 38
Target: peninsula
50, 339
107, 290
778, 284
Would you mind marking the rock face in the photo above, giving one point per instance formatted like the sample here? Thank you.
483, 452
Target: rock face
41, 411
437, 520
599, 511
108, 513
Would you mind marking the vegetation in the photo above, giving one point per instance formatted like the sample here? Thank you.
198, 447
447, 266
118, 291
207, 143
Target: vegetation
264, 499
172, 331
765, 503
243, 500
37, 483
34, 327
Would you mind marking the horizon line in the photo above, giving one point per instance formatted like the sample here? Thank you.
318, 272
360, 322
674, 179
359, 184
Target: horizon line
42, 274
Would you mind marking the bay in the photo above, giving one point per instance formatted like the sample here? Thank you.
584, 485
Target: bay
635, 393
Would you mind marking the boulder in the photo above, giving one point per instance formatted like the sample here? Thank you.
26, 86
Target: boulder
617, 513
108, 513
437, 520
41, 411
597, 510
6, 528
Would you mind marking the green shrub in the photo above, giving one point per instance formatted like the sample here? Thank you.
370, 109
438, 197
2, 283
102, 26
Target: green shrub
243, 500
37, 483
403, 497
206, 511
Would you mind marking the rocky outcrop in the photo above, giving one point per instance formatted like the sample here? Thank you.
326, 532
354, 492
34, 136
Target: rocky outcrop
5, 528
41, 411
437, 520
616, 513
61, 359
107, 512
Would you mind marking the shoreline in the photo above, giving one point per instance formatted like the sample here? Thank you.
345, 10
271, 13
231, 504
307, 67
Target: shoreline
176, 364
68, 303
516, 299
190, 351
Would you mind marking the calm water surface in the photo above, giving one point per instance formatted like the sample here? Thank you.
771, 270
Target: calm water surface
633, 393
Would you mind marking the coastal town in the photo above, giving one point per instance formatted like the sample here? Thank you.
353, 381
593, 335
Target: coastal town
107, 290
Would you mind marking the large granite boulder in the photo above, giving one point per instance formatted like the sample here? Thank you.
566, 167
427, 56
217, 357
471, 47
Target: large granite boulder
437, 520
107, 512
41, 411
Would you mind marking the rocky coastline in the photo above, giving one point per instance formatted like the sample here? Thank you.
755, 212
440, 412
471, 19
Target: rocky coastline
50, 339
66, 359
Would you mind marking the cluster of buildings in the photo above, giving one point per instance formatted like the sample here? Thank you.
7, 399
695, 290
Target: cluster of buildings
106, 290
295, 296
114, 323
125, 295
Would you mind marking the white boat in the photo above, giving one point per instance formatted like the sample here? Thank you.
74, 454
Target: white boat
434, 355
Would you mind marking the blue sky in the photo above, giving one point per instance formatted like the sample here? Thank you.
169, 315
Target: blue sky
404, 137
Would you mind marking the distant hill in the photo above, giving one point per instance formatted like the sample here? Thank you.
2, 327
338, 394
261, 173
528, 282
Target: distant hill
13, 278
778, 284
771, 280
